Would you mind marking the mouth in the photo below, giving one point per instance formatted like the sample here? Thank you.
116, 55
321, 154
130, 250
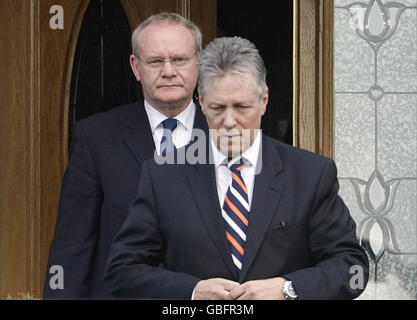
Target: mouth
170, 86
230, 138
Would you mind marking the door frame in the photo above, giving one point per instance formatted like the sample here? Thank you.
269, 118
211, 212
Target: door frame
313, 76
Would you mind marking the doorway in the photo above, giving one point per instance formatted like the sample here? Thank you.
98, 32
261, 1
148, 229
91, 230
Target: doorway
101, 76
269, 26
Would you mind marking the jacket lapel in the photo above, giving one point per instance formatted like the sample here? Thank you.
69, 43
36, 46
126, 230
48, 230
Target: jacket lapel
202, 183
266, 195
267, 191
137, 134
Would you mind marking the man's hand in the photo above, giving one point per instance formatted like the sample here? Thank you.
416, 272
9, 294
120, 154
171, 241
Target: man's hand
214, 289
268, 289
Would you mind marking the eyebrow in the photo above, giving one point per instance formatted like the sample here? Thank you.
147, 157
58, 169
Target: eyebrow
236, 104
175, 55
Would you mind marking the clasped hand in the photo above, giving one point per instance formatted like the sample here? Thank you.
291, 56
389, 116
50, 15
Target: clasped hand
223, 289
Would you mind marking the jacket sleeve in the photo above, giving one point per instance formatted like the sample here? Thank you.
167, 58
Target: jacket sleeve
77, 224
340, 268
135, 266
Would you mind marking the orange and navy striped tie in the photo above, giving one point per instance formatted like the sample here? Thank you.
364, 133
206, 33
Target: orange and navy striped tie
236, 214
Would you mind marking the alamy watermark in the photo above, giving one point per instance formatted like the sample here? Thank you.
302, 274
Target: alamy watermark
57, 20
198, 152
357, 280
57, 279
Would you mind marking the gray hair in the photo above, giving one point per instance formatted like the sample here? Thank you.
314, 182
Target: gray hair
231, 55
168, 17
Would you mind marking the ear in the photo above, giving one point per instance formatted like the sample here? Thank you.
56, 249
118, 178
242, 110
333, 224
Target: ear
135, 66
265, 99
201, 101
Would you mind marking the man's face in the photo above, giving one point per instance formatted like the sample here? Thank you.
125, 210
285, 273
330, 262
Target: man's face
233, 108
166, 87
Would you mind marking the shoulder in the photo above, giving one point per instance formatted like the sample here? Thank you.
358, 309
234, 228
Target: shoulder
109, 125
113, 117
296, 157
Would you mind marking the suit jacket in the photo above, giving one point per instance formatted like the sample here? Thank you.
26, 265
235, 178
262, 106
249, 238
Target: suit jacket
299, 229
99, 184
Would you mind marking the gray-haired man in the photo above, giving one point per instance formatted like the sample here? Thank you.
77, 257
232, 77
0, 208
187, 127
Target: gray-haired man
109, 149
258, 220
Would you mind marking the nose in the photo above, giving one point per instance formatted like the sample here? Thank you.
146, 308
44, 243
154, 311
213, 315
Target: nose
229, 120
168, 70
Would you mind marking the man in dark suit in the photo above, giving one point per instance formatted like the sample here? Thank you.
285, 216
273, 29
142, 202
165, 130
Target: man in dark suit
109, 149
259, 220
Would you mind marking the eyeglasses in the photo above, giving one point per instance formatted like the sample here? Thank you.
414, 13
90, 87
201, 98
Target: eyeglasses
157, 63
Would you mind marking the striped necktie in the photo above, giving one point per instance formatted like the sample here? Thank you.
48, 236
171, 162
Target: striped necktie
236, 214
167, 145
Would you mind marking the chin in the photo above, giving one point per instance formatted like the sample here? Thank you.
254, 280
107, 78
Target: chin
231, 152
171, 91
173, 98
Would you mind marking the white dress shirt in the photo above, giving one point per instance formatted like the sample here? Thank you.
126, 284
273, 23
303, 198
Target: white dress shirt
181, 135
224, 175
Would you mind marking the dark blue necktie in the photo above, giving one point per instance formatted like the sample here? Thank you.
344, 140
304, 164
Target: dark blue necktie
167, 145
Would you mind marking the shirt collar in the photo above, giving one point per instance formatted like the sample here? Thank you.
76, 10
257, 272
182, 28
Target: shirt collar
251, 154
186, 117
